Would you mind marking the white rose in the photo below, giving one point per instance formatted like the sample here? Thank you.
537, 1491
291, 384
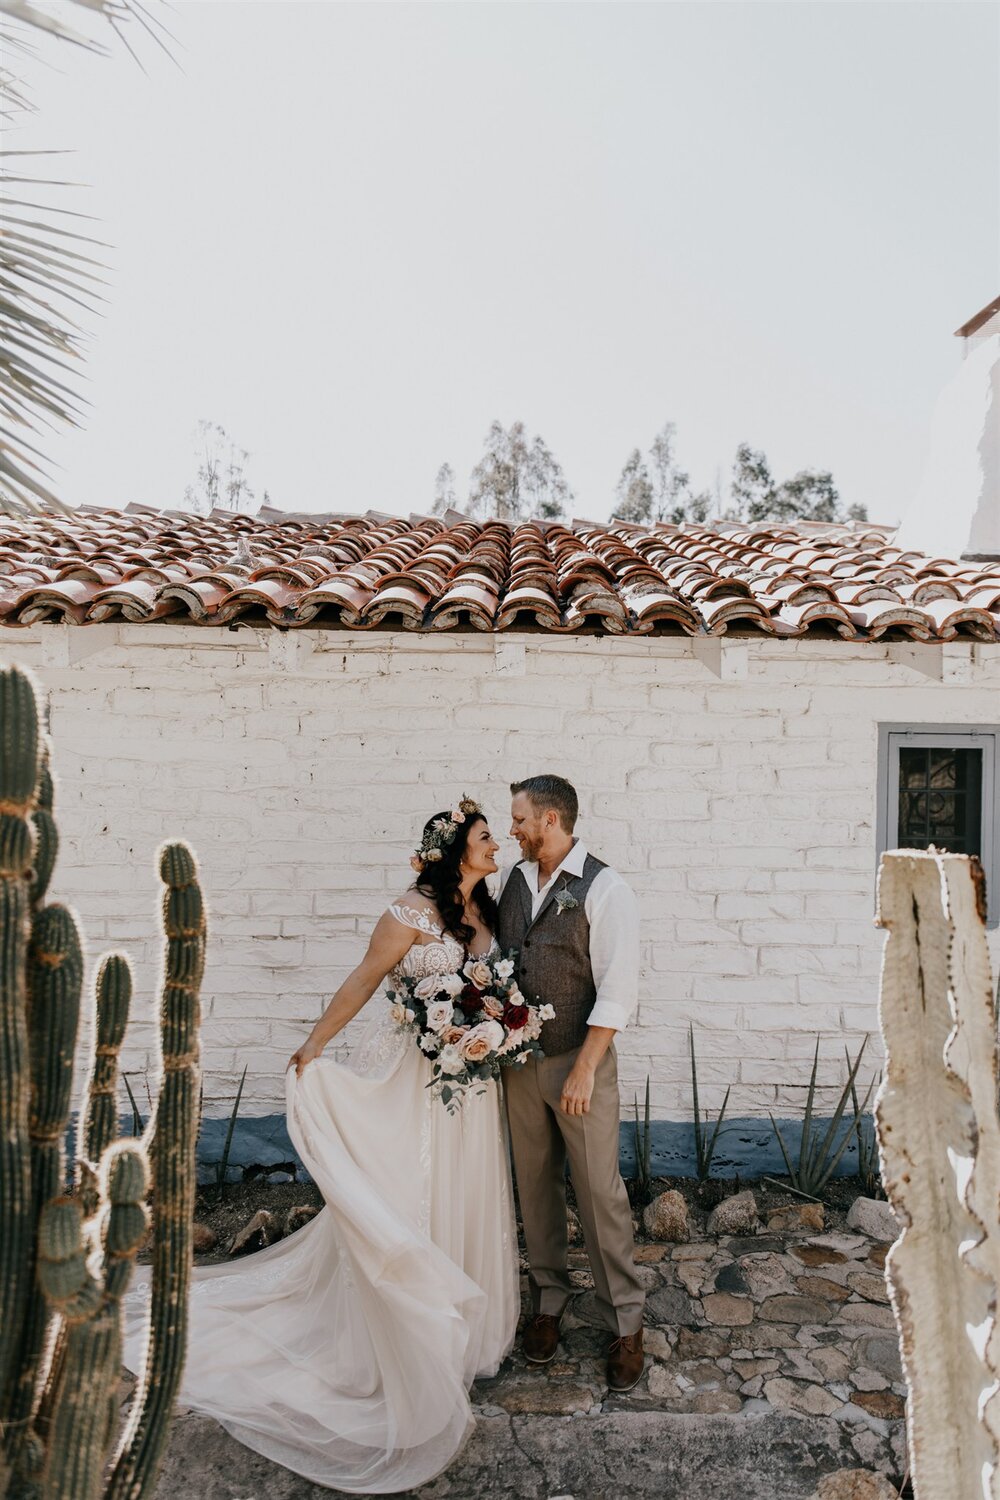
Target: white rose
479, 1041
478, 973
439, 1014
399, 1013
452, 984
428, 987
514, 1040
546, 1012
450, 1060
515, 997
504, 969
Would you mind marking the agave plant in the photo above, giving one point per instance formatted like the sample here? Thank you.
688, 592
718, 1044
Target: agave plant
704, 1145
869, 1165
820, 1155
49, 273
643, 1150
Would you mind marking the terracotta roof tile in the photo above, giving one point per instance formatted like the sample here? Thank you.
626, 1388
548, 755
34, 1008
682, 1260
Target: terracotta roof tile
421, 573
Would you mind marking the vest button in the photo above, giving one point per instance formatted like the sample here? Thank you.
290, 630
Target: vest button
527, 943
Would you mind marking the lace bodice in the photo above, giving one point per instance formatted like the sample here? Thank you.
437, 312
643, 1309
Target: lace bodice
445, 955
383, 1042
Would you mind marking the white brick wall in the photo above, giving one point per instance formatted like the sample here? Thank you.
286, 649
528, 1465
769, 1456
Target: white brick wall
733, 783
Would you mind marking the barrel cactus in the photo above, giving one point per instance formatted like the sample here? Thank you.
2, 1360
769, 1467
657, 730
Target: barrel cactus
66, 1256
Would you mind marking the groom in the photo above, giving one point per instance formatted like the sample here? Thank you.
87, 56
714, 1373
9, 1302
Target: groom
575, 925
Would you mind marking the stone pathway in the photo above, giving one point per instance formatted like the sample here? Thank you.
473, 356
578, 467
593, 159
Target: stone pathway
772, 1361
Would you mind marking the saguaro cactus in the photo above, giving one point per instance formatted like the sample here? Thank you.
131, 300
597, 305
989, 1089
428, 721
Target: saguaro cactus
55, 977
58, 1422
99, 1125
84, 1398
18, 778
175, 1134
939, 1137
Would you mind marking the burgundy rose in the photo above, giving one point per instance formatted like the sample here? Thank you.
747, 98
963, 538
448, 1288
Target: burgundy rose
471, 999
515, 1016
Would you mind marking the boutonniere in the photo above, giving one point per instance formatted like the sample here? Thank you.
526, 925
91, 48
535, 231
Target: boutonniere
565, 900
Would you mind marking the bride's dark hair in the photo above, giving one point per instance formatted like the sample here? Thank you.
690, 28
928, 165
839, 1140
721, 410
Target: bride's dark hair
440, 880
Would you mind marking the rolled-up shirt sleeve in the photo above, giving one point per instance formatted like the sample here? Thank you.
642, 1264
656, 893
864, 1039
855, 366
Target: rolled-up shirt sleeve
613, 914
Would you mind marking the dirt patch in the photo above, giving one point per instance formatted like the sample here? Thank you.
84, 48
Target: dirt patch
240, 1201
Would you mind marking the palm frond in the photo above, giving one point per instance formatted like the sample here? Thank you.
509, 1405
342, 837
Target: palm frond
48, 280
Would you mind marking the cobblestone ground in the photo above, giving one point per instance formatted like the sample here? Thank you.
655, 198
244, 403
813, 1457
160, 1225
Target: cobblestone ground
772, 1361
792, 1322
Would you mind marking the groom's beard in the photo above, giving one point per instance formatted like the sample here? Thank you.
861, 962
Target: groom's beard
531, 849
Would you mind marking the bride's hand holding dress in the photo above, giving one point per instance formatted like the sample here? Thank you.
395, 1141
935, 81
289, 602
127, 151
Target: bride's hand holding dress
387, 948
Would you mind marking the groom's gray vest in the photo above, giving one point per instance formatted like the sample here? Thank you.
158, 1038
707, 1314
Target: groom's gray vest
553, 953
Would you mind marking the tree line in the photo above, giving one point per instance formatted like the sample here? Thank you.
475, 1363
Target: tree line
519, 478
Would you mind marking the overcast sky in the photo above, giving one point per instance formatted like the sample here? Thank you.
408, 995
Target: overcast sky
354, 234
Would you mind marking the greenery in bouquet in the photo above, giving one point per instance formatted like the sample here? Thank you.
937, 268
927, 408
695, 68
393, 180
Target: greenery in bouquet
470, 1024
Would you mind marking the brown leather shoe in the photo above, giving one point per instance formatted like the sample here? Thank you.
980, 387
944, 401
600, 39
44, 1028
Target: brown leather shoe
540, 1339
625, 1361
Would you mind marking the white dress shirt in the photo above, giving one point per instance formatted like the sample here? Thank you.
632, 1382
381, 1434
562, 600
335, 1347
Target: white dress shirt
613, 914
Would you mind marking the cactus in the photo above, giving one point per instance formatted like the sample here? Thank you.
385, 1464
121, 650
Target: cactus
19, 764
66, 1260
99, 1125
174, 1137
55, 977
44, 824
84, 1397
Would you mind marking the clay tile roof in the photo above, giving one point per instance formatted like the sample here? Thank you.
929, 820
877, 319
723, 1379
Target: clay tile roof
426, 573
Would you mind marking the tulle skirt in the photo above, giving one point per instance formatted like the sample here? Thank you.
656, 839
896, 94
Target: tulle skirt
345, 1352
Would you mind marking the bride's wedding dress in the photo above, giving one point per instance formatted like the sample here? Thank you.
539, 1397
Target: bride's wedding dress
345, 1351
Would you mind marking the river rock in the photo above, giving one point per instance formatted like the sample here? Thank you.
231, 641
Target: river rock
869, 1286
203, 1238
802, 1396
822, 1286
299, 1215
262, 1230
670, 1306
666, 1218
880, 1352
793, 1309
766, 1274
873, 1217
884, 1404
817, 1255
797, 1216
730, 1278
701, 1343
726, 1310
734, 1215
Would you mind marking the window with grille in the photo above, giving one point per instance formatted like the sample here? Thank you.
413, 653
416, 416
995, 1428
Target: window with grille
938, 786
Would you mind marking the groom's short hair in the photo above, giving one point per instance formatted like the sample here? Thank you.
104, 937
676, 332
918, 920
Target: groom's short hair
553, 792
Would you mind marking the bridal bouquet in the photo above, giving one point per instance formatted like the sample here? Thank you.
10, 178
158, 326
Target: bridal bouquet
471, 1024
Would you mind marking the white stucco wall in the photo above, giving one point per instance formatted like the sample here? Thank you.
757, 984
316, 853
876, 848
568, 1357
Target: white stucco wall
733, 783
956, 508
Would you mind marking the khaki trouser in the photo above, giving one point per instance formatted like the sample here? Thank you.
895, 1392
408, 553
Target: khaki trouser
542, 1137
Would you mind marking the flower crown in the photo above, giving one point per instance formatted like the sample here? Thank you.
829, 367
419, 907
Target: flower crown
442, 832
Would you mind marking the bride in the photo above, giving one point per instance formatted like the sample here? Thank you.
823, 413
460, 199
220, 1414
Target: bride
345, 1352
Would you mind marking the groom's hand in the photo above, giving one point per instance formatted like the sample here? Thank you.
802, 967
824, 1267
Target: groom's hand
576, 1091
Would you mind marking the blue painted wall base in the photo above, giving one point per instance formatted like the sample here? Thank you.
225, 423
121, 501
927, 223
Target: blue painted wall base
747, 1149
